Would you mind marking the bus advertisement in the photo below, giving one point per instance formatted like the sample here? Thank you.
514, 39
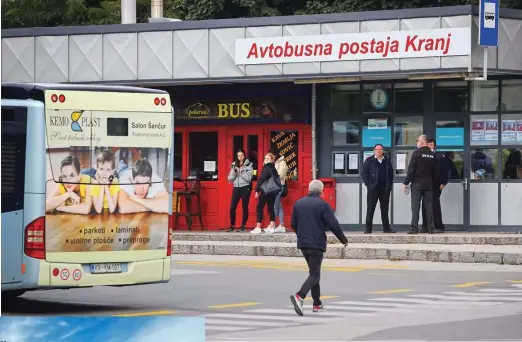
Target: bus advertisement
103, 216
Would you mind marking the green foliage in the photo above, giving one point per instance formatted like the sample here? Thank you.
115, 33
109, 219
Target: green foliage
37, 13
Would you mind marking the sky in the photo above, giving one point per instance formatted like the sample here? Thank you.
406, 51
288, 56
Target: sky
108, 329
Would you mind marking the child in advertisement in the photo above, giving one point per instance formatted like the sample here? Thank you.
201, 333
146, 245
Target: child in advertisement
105, 186
71, 197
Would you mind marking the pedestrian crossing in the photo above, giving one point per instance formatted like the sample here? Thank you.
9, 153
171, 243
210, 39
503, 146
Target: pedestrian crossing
285, 316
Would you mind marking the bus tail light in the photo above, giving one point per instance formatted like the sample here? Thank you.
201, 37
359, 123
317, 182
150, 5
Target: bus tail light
34, 239
169, 239
157, 101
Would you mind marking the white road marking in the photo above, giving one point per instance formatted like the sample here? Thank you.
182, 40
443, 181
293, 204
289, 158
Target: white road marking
373, 309
326, 313
468, 298
215, 321
433, 302
294, 318
221, 328
484, 294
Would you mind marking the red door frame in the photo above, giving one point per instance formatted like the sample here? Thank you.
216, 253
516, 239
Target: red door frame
215, 195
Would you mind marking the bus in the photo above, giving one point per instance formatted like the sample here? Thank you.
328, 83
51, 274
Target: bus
86, 186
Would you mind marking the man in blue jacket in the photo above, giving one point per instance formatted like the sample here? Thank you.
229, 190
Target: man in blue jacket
311, 217
377, 175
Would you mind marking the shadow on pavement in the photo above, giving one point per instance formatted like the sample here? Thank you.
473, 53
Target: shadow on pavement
25, 306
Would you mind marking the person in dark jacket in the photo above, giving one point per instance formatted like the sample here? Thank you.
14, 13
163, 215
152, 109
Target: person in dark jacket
241, 176
443, 166
310, 218
267, 172
421, 174
377, 175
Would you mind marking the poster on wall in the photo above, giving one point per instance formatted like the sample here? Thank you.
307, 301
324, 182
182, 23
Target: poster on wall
105, 192
286, 143
509, 131
377, 131
484, 131
519, 131
449, 136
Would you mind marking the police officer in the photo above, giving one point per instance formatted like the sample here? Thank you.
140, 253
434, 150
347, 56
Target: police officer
421, 174
443, 165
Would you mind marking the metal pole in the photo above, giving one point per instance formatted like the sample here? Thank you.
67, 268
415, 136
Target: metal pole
156, 9
314, 124
485, 67
128, 11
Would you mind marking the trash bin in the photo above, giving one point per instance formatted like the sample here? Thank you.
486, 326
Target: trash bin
329, 191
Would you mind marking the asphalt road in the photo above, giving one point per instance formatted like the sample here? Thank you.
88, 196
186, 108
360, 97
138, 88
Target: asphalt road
246, 299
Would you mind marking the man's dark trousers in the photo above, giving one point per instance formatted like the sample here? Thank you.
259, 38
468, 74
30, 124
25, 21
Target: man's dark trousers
379, 193
314, 259
425, 195
437, 211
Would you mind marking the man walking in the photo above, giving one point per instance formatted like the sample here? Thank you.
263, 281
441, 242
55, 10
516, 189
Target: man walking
421, 174
377, 175
309, 217
443, 171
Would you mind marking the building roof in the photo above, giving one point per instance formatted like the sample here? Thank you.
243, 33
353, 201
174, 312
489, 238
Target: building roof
260, 21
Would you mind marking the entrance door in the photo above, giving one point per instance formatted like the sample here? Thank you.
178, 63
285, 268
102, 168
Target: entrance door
252, 142
451, 135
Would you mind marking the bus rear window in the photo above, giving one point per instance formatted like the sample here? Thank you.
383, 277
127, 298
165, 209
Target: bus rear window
117, 127
14, 133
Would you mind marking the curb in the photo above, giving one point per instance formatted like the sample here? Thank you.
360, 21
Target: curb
362, 253
398, 238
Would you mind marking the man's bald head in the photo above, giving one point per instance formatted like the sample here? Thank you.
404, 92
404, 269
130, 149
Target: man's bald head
422, 141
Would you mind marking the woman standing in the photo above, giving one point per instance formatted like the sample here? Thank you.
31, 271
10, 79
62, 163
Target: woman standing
282, 170
269, 171
241, 176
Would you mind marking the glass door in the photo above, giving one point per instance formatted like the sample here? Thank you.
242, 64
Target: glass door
451, 136
250, 141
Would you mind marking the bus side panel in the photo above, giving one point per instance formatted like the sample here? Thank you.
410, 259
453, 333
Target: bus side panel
12, 248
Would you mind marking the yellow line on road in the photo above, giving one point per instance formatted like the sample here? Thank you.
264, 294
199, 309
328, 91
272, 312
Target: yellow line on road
515, 281
471, 284
236, 305
150, 313
322, 297
391, 291
287, 266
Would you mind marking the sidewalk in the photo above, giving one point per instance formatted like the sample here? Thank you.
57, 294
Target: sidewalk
450, 247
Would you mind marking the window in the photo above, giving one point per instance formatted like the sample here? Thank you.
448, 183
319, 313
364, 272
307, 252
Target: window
402, 161
345, 100
484, 164
455, 162
118, 127
346, 133
484, 96
450, 97
511, 99
203, 155
178, 154
484, 130
376, 130
377, 98
512, 163
237, 144
345, 163
449, 133
14, 132
511, 129
286, 143
406, 130
252, 153
409, 98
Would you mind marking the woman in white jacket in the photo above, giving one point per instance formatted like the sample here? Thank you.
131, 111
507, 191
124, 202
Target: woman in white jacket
282, 170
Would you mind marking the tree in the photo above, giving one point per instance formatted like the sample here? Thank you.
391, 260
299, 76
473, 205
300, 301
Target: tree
37, 13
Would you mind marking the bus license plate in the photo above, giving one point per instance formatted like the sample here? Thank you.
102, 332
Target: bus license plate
105, 268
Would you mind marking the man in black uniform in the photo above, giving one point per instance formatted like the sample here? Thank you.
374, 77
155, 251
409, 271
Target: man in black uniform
442, 163
421, 174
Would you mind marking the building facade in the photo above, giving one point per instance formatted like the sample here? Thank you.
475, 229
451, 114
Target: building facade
323, 89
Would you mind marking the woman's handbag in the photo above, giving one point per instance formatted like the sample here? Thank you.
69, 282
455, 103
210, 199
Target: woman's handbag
285, 190
271, 187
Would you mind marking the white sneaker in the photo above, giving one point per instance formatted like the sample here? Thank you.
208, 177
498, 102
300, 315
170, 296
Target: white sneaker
298, 304
280, 229
256, 231
269, 230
